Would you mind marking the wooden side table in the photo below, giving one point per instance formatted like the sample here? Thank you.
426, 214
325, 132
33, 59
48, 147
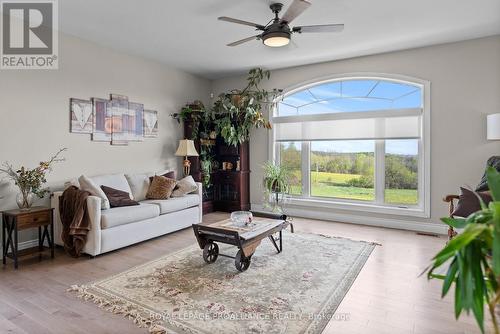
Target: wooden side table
14, 221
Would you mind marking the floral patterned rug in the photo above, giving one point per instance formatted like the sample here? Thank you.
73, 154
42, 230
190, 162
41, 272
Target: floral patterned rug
296, 291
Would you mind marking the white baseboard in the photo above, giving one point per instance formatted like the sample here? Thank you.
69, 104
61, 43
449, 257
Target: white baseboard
362, 220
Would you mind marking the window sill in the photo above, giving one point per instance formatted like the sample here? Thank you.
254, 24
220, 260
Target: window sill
314, 202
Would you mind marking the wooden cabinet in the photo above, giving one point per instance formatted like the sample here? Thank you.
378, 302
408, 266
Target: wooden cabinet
231, 188
231, 191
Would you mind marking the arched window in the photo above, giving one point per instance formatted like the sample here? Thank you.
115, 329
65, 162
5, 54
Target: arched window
356, 141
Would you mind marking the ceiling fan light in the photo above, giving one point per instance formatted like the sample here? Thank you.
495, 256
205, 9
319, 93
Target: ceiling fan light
276, 39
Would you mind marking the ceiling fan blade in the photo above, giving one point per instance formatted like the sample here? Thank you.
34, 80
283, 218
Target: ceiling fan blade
251, 24
244, 40
296, 8
319, 28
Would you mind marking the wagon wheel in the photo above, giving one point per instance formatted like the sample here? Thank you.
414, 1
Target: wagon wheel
241, 262
210, 252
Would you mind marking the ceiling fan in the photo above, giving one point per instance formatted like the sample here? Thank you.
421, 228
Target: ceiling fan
278, 31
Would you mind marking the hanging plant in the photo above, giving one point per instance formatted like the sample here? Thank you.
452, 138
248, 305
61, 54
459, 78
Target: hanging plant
239, 111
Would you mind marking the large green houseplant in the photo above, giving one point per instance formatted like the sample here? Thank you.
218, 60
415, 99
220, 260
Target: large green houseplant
240, 110
473, 259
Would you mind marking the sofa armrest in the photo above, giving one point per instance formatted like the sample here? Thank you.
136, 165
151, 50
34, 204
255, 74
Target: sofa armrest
200, 193
54, 203
93, 245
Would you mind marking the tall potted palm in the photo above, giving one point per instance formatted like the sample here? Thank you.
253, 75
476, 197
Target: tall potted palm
472, 259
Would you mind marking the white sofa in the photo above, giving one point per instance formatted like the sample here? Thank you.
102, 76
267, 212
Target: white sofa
123, 226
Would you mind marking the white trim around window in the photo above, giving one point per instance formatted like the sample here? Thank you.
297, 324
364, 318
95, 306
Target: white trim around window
378, 206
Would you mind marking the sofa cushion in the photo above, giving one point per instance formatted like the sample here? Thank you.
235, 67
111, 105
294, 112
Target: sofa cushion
128, 214
468, 202
72, 182
116, 181
175, 203
161, 188
117, 197
169, 175
139, 184
87, 184
185, 186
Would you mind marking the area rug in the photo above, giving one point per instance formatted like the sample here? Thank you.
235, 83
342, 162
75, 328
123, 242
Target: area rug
296, 291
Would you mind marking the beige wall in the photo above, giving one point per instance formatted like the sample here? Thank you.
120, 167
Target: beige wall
465, 86
34, 112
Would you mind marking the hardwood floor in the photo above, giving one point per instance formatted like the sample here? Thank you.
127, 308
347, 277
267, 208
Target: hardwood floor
387, 297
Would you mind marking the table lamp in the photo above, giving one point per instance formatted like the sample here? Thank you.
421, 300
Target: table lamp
186, 149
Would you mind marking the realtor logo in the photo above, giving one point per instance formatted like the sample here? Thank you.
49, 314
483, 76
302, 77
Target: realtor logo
29, 34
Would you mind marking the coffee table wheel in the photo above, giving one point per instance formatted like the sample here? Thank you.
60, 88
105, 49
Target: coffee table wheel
241, 262
210, 252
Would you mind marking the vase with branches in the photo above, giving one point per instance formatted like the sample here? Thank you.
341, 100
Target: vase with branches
472, 259
30, 181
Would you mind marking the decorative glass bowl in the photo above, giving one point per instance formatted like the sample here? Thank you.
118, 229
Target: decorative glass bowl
241, 218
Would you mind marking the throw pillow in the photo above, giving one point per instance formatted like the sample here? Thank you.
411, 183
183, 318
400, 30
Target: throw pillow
72, 182
170, 175
161, 188
139, 185
87, 184
117, 197
185, 186
468, 202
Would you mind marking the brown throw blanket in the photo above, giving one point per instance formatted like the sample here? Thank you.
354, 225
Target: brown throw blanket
75, 219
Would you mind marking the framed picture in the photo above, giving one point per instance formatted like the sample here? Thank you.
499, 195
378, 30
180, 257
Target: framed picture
81, 116
136, 114
102, 120
116, 121
150, 124
120, 116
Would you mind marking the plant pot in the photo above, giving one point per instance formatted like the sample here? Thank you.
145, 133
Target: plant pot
25, 199
237, 100
275, 187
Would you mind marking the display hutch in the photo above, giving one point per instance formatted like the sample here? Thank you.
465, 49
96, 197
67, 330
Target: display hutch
230, 177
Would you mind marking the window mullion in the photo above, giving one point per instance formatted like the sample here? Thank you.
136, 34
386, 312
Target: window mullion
305, 168
380, 171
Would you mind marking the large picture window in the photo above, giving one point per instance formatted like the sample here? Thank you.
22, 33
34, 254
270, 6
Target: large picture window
355, 141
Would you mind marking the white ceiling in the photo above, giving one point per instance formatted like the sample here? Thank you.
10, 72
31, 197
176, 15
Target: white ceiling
187, 35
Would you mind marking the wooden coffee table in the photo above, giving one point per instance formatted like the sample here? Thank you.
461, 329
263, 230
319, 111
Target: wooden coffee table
246, 238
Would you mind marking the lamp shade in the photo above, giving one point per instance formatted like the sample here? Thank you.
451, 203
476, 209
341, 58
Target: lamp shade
186, 149
493, 127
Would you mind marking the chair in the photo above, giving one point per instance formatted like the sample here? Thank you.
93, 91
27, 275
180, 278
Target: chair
450, 199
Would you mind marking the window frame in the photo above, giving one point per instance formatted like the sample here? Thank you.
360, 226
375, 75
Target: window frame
378, 205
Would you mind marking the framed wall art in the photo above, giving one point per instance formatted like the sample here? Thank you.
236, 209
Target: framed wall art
116, 121
150, 123
81, 116
102, 120
136, 114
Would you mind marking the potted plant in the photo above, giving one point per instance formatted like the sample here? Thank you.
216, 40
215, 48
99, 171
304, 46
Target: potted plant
276, 185
30, 181
472, 259
238, 111
193, 114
